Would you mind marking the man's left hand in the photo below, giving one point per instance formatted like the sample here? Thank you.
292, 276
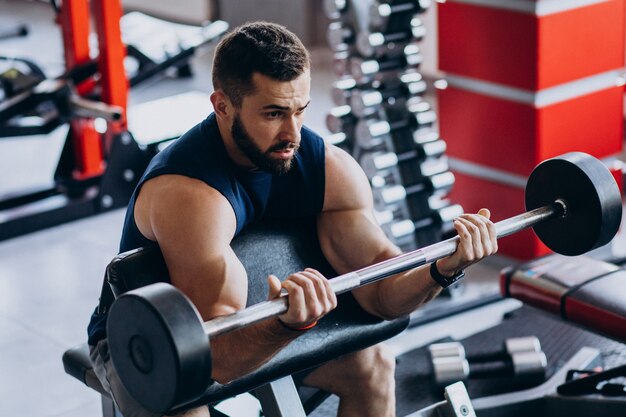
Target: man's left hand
477, 241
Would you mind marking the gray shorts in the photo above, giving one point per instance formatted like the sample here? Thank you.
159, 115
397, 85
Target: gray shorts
110, 380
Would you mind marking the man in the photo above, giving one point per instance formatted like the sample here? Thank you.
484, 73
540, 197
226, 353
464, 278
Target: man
253, 158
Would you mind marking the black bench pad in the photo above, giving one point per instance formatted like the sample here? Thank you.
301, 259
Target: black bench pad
77, 364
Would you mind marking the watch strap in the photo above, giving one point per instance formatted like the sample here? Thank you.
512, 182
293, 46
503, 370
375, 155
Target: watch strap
442, 280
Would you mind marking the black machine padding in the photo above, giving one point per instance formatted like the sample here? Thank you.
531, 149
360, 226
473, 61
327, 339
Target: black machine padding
77, 364
607, 293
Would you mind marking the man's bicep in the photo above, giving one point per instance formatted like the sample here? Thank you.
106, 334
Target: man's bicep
351, 239
349, 234
193, 225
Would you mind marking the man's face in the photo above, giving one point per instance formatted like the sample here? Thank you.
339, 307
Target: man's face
266, 128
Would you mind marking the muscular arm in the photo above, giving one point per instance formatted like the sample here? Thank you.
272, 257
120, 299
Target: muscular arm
351, 239
194, 225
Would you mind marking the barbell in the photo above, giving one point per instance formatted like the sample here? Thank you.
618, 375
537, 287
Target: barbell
158, 341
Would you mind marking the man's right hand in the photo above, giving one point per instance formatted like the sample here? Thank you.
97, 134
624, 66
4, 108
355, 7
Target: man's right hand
310, 297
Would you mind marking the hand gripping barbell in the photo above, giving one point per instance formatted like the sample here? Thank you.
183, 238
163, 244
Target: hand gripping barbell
158, 342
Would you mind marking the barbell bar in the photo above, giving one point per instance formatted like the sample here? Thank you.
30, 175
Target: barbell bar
158, 341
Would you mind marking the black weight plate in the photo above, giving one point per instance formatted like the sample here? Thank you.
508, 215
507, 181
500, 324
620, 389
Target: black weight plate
594, 206
162, 355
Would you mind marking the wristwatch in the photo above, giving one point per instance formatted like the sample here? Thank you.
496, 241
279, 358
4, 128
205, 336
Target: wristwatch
442, 280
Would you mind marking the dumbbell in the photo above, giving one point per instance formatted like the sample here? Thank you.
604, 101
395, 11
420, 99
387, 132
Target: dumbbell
527, 365
363, 101
341, 91
371, 132
437, 184
341, 63
335, 8
440, 221
364, 69
384, 16
374, 162
401, 141
509, 346
412, 171
520, 356
341, 140
340, 35
340, 119
377, 44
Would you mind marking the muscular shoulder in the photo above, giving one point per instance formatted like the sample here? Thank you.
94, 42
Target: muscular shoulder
179, 208
347, 187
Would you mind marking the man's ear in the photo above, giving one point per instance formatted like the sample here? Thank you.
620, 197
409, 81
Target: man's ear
222, 106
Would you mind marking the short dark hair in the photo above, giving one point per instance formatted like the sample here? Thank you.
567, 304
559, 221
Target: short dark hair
263, 47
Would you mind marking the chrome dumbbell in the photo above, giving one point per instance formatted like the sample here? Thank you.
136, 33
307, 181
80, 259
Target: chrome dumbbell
341, 63
341, 140
519, 357
334, 9
438, 184
365, 69
385, 17
371, 132
340, 36
340, 119
410, 84
509, 346
375, 162
341, 91
378, 44
408, 171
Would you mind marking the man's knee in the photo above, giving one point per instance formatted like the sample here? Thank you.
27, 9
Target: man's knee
194, 412
373, 368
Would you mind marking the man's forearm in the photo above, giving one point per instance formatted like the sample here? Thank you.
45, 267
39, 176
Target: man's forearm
240, 352
400, 295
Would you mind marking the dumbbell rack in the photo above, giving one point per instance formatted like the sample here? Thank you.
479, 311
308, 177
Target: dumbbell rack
382, 119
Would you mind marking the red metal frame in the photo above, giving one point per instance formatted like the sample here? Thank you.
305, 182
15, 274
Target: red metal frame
113, 80
89, 154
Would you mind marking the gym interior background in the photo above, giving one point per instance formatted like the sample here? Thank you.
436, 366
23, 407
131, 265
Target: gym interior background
50, 279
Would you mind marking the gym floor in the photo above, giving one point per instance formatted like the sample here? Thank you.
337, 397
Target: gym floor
50, 280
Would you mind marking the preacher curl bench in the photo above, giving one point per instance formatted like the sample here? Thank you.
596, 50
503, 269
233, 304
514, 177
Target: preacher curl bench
271, 247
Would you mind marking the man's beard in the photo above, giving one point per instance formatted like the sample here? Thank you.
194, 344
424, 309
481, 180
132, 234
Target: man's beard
261, 159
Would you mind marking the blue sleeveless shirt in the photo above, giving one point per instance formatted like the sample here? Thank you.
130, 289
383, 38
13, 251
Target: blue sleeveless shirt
200, 154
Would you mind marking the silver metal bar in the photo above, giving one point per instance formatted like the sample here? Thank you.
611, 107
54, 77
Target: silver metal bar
91, 109
379, 271
280, 399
